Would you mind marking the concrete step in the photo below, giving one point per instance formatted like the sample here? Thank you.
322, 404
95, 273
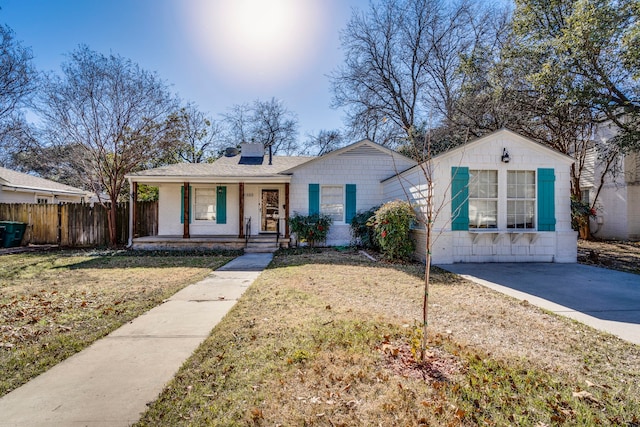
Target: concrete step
260, 250
261, 244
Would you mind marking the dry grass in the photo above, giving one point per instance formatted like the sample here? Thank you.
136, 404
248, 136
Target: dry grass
325, 339
53, 305
617, 255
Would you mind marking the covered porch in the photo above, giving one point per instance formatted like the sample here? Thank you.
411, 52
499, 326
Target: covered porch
216, 215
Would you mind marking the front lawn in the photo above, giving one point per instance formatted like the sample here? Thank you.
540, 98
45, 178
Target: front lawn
53, 305
325, 338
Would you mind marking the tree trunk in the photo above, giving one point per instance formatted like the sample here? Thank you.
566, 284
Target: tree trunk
584, 230
425, 304
111, 221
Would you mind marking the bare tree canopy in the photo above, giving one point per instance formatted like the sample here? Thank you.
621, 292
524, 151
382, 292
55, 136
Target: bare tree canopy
402, 65
17, 83
198, 137
323, 142
268, 122
114, 111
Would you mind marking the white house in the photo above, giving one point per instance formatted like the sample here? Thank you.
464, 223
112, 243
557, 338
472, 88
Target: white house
18, 187
500, 198
247, 198
501, 211
618, 201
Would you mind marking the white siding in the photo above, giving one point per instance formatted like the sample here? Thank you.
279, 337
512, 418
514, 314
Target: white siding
618, 205
365, 167
18, 196
501, 245
169, 207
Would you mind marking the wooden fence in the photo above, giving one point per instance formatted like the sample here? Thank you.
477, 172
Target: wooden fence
78, 225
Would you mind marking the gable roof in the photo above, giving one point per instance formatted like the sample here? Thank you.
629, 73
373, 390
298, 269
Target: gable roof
511, 134
233, 169
496, 134
365, 147
22, 181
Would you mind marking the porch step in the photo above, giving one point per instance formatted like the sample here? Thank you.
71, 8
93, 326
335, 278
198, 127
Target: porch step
261, 244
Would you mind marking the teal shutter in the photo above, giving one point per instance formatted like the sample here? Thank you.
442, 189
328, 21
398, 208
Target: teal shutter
314, 199
546, 200
221, 204
350, 203
459, 198
182, 204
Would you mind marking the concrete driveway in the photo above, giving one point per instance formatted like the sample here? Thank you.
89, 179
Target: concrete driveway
604, 299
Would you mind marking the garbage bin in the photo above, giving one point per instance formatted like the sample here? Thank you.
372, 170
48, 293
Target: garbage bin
2, 231
13, 232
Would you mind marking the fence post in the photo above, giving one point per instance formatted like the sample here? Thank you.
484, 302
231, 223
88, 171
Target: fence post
59, 234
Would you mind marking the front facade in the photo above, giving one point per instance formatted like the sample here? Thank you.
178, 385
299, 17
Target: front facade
501, 198
248, 197
18, 187
492, 207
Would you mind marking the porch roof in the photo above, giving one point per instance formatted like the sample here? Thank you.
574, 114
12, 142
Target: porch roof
224, 169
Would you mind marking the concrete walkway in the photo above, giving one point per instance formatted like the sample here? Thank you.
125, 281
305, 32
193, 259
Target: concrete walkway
604, 299
111, 382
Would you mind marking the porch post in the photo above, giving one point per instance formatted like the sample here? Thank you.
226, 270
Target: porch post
186, 204
134, 209
131, 221
286, 210
241, 211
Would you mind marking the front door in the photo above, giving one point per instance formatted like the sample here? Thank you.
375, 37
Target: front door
270, 211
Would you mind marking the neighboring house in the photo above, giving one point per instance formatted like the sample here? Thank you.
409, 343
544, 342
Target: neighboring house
18, 187
618, 202
502, 211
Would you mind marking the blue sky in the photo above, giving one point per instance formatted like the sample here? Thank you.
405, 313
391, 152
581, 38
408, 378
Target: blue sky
216, 53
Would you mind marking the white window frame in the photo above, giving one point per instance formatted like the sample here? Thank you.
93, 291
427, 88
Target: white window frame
477, 180
522, 192
211, 204
325, 204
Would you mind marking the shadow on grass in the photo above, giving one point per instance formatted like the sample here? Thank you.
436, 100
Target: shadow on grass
353, 256
106, 259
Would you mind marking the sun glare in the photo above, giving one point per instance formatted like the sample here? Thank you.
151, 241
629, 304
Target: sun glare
256, 41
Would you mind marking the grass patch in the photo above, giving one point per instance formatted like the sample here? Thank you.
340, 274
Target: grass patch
54, 304
324, 338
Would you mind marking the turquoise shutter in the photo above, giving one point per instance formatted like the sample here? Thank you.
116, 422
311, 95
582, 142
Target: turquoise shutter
221, 204
350, 205
459, 198
314, 199
546, 200
182, 204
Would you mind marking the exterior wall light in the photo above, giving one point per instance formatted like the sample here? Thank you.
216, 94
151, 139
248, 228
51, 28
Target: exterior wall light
505, 156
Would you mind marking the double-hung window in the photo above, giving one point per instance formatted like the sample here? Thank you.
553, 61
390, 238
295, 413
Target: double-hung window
483, 199
205, 204
332, 201
521, 199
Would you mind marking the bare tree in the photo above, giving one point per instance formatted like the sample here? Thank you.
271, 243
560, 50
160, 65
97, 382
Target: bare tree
420, 189
17, 83
197, 135
402, 64
323, 142
114, 112
268, 122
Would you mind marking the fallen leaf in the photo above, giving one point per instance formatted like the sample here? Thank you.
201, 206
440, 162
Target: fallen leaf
585, 395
